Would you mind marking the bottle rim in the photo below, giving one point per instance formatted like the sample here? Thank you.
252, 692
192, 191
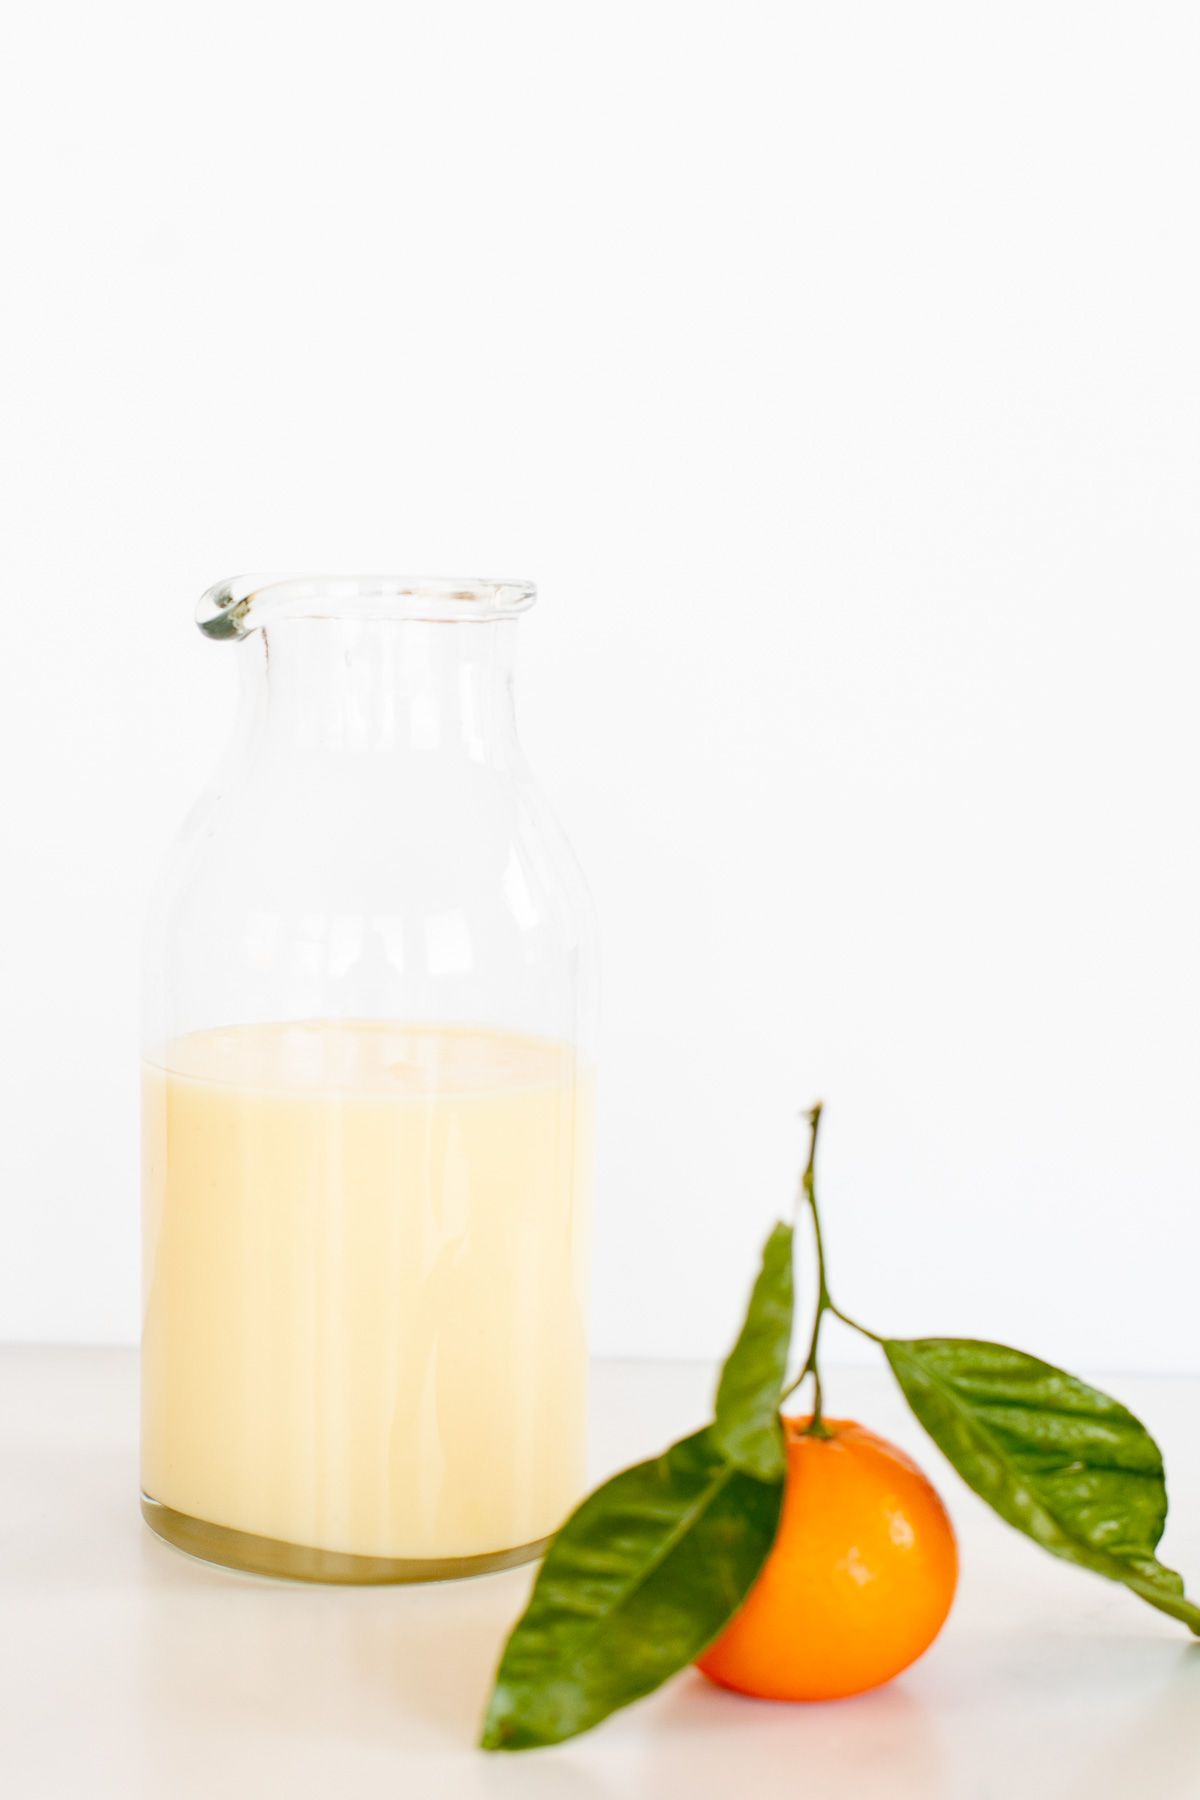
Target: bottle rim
242, 604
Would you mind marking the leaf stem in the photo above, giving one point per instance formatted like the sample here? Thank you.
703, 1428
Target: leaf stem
807, 1197
855, 1326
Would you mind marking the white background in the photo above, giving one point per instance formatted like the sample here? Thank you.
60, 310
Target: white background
835, 372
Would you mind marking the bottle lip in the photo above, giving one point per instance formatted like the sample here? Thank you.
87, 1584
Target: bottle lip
246, 603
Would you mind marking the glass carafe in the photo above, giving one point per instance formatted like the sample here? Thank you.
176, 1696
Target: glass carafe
368, 1036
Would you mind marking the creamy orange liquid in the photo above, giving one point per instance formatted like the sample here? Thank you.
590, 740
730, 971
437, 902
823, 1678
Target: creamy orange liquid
364, 1309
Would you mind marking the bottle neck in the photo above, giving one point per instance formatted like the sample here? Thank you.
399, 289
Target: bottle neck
393, 686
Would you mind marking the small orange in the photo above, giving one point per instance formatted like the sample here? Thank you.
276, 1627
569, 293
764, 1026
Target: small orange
858, 1582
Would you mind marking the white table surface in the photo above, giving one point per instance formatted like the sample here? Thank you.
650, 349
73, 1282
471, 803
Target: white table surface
128, 1669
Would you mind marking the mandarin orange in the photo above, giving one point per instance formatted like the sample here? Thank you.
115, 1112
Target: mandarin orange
858, 1582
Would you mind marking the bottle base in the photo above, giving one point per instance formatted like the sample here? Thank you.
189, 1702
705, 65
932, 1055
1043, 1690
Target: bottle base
254, 1555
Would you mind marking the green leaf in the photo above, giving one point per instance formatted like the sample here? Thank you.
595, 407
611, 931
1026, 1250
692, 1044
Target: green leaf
746, 1428
636, 1584
1067, 1465
653, 1565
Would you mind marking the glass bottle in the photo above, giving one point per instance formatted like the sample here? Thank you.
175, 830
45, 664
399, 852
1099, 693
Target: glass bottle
369, 1003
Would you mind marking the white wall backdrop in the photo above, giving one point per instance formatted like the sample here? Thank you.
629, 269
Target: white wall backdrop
835, 372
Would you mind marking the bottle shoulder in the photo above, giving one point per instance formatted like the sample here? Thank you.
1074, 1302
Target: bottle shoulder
467, 869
